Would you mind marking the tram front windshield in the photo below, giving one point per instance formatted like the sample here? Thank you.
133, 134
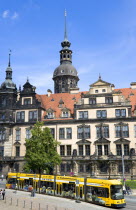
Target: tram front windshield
116, 192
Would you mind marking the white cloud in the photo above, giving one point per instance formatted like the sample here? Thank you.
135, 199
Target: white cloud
14, 16
5, 14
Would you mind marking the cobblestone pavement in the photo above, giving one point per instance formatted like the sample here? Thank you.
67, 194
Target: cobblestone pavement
23, 201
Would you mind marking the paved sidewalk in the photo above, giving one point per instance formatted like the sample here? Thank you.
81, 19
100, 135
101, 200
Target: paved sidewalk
26, 202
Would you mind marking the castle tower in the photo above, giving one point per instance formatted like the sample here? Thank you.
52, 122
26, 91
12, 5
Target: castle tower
65, 75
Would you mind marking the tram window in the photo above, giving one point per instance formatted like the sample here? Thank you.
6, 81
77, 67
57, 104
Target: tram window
47, 184
28, 181
68, 187
12, 181
116, 192
98, 191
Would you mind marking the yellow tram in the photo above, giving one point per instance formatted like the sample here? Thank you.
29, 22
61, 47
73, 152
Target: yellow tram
99, 191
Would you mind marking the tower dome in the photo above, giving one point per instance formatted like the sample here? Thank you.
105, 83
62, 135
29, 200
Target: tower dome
65, 76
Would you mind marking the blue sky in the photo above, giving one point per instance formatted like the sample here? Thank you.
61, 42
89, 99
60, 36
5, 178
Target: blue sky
102, 33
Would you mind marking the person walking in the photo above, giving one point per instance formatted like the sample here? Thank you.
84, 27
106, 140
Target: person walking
0, 194
3, 194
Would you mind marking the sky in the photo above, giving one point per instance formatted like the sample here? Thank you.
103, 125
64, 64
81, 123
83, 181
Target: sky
102, 35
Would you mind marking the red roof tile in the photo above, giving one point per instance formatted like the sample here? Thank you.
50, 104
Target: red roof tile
69, 100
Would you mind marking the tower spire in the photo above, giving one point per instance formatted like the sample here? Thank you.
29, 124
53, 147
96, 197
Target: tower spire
9, 58
65, 26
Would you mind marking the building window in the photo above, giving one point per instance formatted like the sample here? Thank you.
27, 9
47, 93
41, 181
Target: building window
52, 132
80, 150
68, 150
126, 168
135, 131
119, 149
99, 147
1, 151
28, 133
101, 113
92, 100
108, 100
32, 115
2, 116
61, 133
87, 150
87, 132
80, 133
17, 151
96, 91
105, 131
20, 116
102, 132
126, 149
120, 112
103, 90
125, 132
69, 133
83, 132
27, 101
81, 168
67, 167
106, 150
83, 115
62, 150
50, 115
103, 167
65, 114
62, 167
2, 134
98, 132
88, 168
122, 131
18, 134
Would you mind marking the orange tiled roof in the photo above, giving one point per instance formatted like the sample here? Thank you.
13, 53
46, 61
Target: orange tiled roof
53, 100
129, 94
69, 100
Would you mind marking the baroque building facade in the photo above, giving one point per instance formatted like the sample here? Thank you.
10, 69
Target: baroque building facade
96, 128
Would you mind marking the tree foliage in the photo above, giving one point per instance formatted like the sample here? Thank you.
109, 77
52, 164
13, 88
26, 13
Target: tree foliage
41, 150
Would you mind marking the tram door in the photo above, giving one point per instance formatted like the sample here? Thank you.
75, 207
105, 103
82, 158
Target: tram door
58, 189
81, 191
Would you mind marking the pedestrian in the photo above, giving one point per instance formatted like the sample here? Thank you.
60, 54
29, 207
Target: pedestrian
3, 194
2, 177
0, 194
124, 190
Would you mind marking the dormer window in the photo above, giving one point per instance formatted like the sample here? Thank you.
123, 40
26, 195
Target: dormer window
65, 114
27, 101
50, 115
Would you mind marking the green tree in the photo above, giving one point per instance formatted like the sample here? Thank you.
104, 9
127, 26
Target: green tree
41, 150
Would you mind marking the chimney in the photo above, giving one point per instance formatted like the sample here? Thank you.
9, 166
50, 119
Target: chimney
49, 92
133, 85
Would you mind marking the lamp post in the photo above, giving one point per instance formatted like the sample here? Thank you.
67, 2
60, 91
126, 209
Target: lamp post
122, 155
123, 167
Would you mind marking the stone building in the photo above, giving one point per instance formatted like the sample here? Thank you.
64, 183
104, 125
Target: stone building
96, 128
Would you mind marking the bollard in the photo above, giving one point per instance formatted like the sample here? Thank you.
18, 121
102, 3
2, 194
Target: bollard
47, 207
39, 206
31, 204
24, 205
17, 202
11, 202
